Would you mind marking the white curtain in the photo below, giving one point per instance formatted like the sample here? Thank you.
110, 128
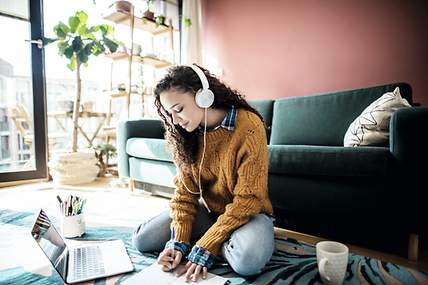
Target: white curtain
191, 45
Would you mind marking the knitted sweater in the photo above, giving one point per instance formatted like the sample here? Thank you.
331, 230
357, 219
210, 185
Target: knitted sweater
233, 182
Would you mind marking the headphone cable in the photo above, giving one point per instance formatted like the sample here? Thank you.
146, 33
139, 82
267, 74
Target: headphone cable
200, 166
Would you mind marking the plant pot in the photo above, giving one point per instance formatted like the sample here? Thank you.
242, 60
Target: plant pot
149, 15
73, 168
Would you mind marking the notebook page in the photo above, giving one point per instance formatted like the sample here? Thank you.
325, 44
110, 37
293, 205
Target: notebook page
154, 275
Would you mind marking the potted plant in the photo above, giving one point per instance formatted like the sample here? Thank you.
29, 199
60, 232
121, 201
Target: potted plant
160, 20
103, 152
77, 42
187, 22
148, 13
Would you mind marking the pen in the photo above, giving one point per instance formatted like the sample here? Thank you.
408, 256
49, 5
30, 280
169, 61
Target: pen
60, 202
173, 250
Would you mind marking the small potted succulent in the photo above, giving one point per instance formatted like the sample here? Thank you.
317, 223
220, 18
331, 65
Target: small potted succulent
160, 20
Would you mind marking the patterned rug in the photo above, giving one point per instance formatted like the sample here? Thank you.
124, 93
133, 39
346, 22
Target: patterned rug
294, 262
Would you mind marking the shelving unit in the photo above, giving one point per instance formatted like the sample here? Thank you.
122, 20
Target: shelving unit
135, 23
153, 29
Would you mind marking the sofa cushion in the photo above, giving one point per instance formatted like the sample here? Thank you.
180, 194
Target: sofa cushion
323, 119
265, 108
372, 126
152, 171
155, 149
329, 160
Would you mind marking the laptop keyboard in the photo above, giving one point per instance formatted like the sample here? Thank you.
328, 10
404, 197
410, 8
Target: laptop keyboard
87, 262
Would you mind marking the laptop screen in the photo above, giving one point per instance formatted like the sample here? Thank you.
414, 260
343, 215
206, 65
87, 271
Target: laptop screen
51, 243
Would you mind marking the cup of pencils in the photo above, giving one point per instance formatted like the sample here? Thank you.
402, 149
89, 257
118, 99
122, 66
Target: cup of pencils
72, 218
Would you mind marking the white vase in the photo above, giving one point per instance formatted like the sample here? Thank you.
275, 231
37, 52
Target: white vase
73, 168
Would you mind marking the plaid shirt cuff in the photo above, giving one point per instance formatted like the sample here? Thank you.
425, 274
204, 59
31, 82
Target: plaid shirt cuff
177, 245
200, 256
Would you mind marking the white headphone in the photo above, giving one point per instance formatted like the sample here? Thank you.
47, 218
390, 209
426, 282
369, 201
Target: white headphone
204, 97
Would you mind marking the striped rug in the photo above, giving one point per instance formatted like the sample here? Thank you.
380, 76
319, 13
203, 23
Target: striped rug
293, 262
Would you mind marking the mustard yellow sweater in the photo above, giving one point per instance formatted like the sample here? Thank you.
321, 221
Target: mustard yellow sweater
233, 179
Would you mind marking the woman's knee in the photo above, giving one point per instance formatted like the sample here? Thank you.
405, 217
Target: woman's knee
139, 239
251, 261
250, 248
152, 234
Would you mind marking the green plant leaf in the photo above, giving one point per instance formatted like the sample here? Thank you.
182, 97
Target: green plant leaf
83, 56
68, 52
47, 41
77, 44
74, 22
88, 47
73, 63
90, 36
94, 29
82, 30
112, 46
83, 17
97, 48
61, 30
106, 30
62, 46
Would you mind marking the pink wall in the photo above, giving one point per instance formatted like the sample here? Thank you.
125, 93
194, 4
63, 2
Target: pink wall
283, 48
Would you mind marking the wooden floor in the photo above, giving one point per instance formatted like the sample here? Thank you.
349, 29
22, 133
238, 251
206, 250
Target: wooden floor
113, 184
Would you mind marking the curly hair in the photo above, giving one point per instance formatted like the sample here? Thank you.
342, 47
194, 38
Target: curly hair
183, 78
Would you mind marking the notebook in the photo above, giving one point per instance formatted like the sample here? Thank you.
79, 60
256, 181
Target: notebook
155, 275
84, 262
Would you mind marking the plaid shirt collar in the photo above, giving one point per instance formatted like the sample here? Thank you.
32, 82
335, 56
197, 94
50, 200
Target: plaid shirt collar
230, 119
228, 122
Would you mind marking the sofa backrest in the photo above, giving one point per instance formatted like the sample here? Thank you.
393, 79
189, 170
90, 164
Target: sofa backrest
265, 108
324, 118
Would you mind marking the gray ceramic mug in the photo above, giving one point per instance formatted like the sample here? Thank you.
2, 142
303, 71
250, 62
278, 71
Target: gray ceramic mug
332, 259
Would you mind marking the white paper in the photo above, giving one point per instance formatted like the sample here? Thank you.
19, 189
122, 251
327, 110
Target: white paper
155, 275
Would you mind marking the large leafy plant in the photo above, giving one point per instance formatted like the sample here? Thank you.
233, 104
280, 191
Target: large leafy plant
77, 42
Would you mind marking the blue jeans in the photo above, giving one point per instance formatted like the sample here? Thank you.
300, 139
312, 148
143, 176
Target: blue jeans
253, 241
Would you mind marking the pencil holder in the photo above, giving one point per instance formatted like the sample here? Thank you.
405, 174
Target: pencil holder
73, 226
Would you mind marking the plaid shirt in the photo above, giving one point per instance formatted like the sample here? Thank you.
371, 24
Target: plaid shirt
200, 256
228, 122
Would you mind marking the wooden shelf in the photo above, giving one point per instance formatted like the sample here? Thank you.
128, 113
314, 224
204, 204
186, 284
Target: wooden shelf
143, 23
150, 60
118, 94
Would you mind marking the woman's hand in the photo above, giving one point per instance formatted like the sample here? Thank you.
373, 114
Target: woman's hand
169, 259
193, 271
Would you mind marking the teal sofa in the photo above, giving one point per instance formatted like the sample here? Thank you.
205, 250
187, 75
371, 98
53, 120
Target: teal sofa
316, 185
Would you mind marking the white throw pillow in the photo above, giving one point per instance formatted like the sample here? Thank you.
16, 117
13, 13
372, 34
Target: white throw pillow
372, 126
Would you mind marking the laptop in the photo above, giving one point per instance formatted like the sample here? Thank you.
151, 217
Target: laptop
84, 262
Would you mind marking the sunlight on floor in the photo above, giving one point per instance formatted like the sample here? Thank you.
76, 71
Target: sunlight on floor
101, 197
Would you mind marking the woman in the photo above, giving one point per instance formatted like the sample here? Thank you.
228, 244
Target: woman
221, 204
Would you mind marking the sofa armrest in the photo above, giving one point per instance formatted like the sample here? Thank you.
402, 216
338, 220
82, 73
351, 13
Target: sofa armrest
144, 128
409, 136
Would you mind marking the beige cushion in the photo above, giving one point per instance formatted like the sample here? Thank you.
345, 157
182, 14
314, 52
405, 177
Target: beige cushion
372, 126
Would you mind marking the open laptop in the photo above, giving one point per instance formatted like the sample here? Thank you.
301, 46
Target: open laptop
84, 262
